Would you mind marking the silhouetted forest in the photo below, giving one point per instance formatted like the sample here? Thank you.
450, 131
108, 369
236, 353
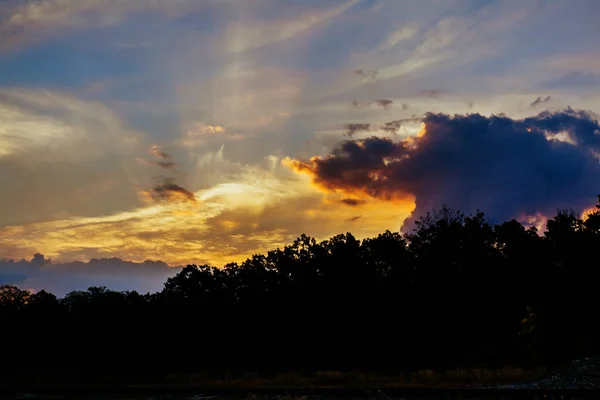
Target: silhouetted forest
458, 290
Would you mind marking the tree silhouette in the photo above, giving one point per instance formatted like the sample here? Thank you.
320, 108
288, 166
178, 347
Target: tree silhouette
457, 290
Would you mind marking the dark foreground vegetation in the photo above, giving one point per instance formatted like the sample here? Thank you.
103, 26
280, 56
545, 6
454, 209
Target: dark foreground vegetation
458, 291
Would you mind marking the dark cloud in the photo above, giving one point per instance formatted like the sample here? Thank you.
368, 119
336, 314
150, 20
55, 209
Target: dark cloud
352, 202
59, 278
390, 127
166, 161
385, 103
539, 101
503, 166
582, 126
373, 74
167, 190
353, 219
351, 129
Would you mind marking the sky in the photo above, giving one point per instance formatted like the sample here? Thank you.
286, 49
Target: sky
137, 136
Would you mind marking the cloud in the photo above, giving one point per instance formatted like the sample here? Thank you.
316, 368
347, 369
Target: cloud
243, 36
240, 101
60, 155
351, 129
352, 202
166, 161
539, 101
385, 103
68, 170
166, 164
398, 36
158, 152
506, 167
198, 133
167, 190
59, 278
392, 127
357, 104
373, 74
445, 37
252, 209
32, 21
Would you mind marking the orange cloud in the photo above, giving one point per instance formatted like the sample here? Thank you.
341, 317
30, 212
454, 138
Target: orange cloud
589, 211
349, 190
196, 134
227, 223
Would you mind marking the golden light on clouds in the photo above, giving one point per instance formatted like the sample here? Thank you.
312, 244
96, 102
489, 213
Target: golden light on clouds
589, 211
197, 133
229, 222
405, 201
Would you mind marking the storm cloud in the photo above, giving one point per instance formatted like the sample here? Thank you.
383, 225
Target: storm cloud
505, 167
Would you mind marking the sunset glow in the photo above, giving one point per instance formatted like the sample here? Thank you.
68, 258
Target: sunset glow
232, 127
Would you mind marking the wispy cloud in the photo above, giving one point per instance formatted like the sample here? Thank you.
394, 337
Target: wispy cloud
256, 210
539, 100
164, 159
247, 36
32, 21
56, 147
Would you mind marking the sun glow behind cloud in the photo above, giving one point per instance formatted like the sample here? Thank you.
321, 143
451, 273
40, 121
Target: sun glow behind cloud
229, 222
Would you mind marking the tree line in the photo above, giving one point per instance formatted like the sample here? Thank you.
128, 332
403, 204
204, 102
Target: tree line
457, 290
